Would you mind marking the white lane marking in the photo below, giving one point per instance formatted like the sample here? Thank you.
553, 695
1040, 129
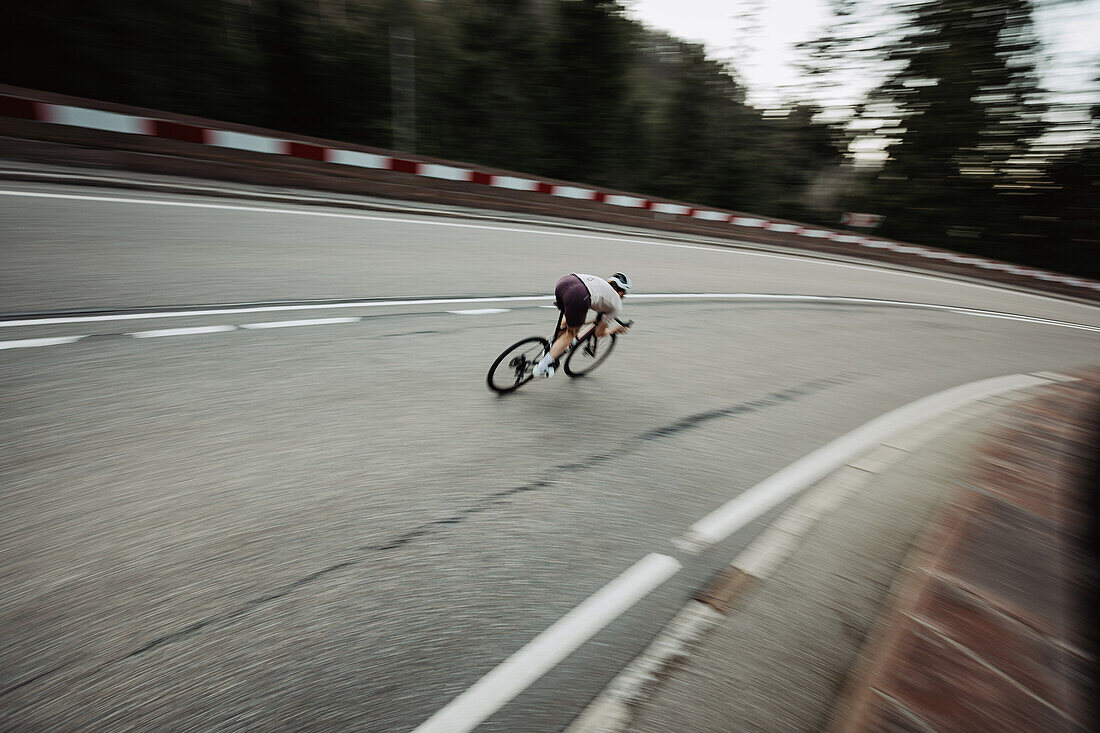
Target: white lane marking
611, 711
181, 331
527, 230
1023, 319
772, 491
480, 311
307, 322
864, 301
31, 343
321, 321
1056, 377
269, 309
534, 299
517, 672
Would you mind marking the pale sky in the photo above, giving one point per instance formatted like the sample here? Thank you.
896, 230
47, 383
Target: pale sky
1069, 28
720, 26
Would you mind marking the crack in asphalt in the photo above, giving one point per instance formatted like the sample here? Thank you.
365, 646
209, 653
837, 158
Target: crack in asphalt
498, 498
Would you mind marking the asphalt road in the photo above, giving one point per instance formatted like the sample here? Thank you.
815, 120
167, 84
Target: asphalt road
338, 526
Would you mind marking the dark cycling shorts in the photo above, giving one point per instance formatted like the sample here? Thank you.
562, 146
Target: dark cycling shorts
572, 298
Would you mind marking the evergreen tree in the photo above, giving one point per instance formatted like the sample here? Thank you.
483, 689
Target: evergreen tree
968, 102
592, 51
569, 89
175, 54
481, 95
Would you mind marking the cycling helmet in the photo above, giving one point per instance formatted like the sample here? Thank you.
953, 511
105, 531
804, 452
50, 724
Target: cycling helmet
621, 281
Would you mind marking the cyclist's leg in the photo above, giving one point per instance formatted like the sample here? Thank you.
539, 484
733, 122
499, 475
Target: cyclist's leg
573, 300
561, 343
562, 327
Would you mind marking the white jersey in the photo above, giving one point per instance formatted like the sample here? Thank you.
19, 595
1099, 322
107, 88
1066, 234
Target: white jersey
604, 298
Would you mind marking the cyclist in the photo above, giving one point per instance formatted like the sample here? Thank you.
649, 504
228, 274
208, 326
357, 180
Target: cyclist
574, 295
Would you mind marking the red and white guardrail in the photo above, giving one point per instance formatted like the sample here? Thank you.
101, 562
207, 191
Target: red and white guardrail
95, 119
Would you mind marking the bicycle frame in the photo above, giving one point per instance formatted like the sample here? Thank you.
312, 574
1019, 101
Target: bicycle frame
559, 328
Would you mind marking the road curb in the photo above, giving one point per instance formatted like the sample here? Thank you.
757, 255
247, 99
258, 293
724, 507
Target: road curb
616, 706
983, 629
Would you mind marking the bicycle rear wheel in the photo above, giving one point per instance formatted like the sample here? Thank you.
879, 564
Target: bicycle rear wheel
588, 354
512, 369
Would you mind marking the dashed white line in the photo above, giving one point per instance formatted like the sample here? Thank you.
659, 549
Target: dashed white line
516, 673
535, 299
614, 709
31, 343
221, 311
306, 322
509, 299
480, 311
181, 331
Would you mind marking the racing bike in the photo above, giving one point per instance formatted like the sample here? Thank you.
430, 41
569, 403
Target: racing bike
514, 367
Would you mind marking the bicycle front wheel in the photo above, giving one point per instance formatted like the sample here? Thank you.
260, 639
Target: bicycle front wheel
513, 367
588, 354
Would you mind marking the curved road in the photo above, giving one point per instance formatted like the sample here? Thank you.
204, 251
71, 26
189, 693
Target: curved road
335, 525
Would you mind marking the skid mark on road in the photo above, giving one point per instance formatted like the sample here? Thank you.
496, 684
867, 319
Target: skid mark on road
772, 400
484, 504
594, 460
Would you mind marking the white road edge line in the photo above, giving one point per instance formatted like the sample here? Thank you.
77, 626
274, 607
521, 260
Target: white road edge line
516, 673
181, 331
307, 322
613, 710
788, 298
780, 486
31, 343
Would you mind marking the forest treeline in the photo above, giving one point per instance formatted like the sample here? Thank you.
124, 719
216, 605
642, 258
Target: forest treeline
575, 90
